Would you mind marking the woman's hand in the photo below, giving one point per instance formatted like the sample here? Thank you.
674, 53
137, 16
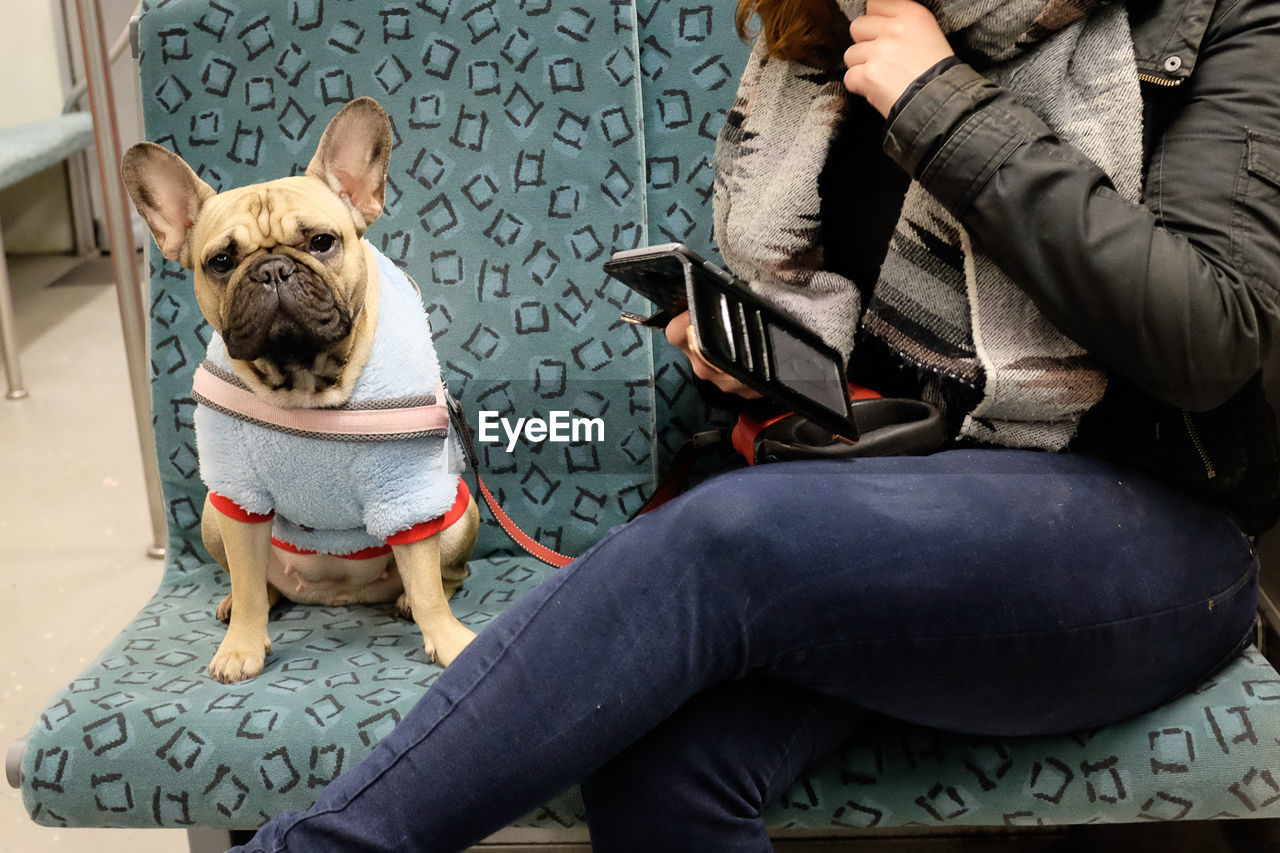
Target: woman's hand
893, 43
680, 333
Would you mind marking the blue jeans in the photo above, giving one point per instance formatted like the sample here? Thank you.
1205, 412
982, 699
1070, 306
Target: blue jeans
694, 661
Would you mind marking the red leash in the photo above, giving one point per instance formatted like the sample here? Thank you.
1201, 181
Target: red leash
672, 484
524, 540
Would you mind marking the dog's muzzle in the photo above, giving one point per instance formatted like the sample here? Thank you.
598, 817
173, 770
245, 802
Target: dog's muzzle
282, 311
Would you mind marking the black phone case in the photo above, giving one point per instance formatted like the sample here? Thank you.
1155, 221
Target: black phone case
735, 330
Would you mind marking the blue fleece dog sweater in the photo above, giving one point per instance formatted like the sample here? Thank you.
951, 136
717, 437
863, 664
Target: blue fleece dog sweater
339, 497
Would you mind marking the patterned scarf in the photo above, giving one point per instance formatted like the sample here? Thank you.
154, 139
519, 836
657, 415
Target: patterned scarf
941, 305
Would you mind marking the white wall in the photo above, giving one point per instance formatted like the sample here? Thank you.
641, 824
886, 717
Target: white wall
32, 84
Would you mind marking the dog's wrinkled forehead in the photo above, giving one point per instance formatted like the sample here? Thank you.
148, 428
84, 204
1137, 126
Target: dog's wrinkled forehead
265, 216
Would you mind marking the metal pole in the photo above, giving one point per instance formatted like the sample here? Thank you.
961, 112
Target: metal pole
9, 336
129, 280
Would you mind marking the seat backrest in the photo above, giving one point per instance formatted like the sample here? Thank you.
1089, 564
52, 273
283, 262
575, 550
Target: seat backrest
533, 138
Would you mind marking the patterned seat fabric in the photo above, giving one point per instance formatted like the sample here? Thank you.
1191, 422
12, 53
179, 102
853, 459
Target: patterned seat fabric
533, 138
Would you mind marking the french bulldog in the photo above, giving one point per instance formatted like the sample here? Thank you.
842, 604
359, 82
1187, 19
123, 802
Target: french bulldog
309, 316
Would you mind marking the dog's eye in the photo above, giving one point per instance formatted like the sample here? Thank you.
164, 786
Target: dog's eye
322, 243
221, 263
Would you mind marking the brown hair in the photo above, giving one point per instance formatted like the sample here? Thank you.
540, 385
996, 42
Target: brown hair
811, 31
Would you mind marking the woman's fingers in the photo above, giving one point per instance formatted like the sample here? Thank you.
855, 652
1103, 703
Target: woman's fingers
677, 330
679, 333
891, 8
864, 28
893, 43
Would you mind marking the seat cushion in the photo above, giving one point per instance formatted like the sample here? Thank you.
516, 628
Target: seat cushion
156, 742
144, 738
26, 149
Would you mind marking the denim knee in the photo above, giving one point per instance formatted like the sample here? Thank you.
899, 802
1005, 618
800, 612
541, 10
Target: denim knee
736, 514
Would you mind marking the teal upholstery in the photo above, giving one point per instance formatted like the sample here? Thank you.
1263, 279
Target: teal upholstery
26, 149
533, 138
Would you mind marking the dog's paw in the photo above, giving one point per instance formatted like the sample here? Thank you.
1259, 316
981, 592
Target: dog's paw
238, 661
403, 610
445, 643
224, 610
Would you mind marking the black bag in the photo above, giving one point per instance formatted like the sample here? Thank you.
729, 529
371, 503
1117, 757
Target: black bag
887, 426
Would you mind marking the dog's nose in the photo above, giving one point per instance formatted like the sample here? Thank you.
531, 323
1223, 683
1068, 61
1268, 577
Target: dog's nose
276, 270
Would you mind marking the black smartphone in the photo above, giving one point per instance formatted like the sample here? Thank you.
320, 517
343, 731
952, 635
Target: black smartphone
739, 333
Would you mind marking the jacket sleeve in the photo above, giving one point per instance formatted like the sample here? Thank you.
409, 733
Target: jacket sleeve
1179, 294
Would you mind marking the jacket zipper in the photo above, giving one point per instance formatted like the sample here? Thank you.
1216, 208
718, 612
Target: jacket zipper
1209, 471
1158, 81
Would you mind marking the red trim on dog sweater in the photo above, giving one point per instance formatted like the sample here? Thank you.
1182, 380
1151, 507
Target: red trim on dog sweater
234, 511
430, 528
417, 533
363, 554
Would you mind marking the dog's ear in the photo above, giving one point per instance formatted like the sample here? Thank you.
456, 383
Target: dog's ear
353, 157
167, 194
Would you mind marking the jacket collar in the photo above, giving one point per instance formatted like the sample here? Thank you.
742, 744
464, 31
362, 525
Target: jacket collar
1167, 36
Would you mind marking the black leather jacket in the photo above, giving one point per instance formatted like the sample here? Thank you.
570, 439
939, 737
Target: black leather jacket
1179, 297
